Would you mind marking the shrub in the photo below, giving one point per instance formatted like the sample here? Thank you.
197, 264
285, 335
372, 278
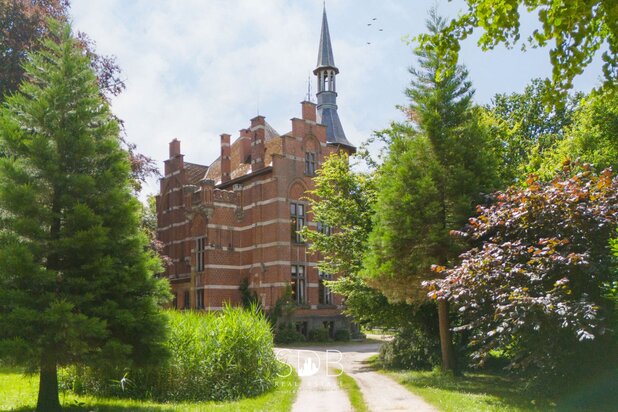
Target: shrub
214, 356
342, 335
535, 287
318, 335
288, 334
411, 349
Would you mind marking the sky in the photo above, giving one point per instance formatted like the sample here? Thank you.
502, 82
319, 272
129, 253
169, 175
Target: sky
197, 68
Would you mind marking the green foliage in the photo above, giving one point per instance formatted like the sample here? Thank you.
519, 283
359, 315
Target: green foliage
367, 305
318, 335
342, 335
437, 167
287, 333
77, 279
281, 318
248, 297
408, 233
593, 137
576, 29
536, 286
416, 344
525, 128
411, 349
284, 308
19, 393
341, 200
223, 356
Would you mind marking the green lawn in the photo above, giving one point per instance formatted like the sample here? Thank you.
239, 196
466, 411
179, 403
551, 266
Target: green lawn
19, 392
473, 392
349, 385
494, 392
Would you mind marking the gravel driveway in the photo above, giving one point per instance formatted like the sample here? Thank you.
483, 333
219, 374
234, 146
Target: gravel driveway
319, 390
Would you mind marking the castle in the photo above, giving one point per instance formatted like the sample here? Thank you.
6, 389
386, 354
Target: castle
236, 220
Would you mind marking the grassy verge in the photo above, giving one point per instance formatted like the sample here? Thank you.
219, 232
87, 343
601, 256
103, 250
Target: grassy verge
349, 385
495, 392
473, 392
19, 393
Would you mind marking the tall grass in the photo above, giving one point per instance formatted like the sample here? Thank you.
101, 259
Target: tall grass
214, 356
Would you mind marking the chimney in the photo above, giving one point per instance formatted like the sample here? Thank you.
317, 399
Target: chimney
244, 141
174, 148
175, 162
225, 158
308, 111
258, 150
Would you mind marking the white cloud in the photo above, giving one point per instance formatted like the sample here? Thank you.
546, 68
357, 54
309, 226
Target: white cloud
195, 69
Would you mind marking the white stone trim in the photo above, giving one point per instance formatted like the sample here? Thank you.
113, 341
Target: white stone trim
173, 225
262, 246
221, 204
260, 182
265, 202
251, 226
272, 284
174, 173
240, 267
219, 287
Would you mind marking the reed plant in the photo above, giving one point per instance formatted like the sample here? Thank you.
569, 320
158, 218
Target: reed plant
224, 355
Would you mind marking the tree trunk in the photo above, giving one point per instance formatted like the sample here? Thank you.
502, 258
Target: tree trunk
48, 385
446, 344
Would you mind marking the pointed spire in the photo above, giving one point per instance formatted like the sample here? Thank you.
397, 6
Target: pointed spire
326, 73
325, 52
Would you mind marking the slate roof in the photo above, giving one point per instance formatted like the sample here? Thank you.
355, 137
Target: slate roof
194, 172
325, 51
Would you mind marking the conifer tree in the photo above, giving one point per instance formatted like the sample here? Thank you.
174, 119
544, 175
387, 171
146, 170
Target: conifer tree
436, 170
77, 280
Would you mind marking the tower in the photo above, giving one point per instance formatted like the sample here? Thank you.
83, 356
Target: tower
326, 73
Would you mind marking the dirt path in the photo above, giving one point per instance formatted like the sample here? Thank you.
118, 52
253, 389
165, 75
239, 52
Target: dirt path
320, 391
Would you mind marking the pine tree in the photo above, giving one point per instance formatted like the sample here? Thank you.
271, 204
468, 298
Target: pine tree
77, 280
429, 184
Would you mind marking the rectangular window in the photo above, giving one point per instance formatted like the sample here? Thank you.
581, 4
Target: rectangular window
199, 299
298, 284
326, 296
297, 221
200, 252
175, 301
324, 229
310, 164
187, 300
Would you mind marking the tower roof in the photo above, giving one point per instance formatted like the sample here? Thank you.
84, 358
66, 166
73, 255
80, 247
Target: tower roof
325, 52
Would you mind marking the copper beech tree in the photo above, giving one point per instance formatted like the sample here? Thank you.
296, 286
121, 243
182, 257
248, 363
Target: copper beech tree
537, 286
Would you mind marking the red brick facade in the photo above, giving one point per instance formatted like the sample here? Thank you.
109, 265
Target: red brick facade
233, 219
